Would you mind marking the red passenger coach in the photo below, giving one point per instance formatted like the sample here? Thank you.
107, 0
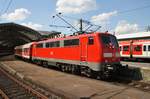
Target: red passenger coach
135, 45
24, 51
92, 52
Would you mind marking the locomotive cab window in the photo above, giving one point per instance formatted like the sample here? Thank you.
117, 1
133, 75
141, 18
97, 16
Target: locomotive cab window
90, 40
105, 40
109, 40
125, 48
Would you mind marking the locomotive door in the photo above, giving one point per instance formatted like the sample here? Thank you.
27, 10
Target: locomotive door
83, 49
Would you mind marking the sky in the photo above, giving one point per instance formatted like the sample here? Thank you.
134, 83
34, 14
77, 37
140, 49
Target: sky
119, 16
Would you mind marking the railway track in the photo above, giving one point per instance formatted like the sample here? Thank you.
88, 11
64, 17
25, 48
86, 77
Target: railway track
140, 85
122, 81
143, 86
11, 88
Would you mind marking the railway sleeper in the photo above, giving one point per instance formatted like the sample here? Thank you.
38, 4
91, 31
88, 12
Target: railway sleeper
18, 93
11, 87
25, 97
15, 90
11, 91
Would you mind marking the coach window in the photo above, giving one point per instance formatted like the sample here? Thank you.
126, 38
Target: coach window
137, 48
125, 48
71, 42
144, 48
148, 47
90, 40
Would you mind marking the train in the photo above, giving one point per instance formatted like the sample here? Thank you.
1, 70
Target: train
92, 54
135, 46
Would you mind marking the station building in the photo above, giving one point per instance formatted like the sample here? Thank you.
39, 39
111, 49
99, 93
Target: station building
12, 34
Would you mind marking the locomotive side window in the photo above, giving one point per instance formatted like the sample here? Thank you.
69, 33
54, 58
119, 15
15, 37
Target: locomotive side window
71, 42
90, 40
137, 48
56, 44
144, 48
47, 45
39, 45
125, 48
53, 44
148, 47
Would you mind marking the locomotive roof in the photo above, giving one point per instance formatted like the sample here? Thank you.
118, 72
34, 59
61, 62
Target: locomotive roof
138, 35
72, 37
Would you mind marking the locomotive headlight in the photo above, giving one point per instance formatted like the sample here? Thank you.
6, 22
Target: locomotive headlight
110, 68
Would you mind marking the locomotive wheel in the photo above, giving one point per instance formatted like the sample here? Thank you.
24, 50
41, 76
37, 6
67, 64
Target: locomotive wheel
90, 73
73, 69
104, 75
77, 70
44, 64
63, 68
39, 62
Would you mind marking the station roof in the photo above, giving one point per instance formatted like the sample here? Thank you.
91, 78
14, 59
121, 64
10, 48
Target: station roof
12, 34
139, 35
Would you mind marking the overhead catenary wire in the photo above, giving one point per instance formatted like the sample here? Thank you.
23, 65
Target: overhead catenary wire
8, 6
66, 21
89, 24
2, 7
134, 9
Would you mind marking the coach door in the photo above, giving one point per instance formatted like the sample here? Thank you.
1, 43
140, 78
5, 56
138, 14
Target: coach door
146, 50
83, 47
31, 52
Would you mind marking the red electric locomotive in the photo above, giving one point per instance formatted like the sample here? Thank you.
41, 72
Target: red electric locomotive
90, 54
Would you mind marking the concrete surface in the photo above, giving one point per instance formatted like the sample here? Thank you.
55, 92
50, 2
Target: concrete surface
144, 69
71, 86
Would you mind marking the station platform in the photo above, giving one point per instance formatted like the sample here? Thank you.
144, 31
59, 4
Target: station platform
142, 65
143, 69
67, 86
